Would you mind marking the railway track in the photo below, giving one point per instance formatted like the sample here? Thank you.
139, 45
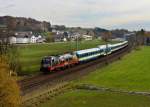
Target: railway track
30, 84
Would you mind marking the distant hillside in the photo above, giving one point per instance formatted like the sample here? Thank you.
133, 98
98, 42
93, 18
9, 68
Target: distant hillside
25, 24
88, 31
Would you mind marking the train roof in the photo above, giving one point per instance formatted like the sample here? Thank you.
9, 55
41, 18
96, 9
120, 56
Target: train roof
68, 55
119, 43
103, 46
87, 51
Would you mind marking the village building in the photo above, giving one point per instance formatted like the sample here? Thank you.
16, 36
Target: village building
3, 28
147, 38
61, 36
25, 38
87, 37
3, 33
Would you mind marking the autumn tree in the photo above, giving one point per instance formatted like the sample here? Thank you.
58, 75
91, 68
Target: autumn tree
9, 90
49, 36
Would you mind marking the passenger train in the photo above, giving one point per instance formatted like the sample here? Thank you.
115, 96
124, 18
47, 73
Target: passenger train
53, 63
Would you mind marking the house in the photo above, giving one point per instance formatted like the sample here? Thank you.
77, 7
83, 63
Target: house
147, 38
61, 36
54, 30
40, 40
58, 38
3, 28
87, 37
12, 40
74, 36
131, 38
4, 33
19, 39
33, 39
25, 38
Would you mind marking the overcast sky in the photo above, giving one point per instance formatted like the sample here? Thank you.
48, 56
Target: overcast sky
110, 14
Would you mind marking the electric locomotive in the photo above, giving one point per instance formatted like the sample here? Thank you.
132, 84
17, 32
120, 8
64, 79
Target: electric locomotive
51, 63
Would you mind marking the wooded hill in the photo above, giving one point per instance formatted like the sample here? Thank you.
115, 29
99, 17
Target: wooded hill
25, 24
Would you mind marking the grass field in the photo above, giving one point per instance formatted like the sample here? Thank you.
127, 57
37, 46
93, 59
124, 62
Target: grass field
97, 99
31, 55
130, 73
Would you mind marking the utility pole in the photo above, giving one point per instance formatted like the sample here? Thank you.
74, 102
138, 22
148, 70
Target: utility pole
70, 41
105, 37
77, 43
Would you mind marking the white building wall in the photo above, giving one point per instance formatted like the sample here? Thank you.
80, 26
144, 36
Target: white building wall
87, 37
33, 39
22, 40
12, 40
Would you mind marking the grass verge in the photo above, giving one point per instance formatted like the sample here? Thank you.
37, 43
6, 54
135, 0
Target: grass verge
97, 99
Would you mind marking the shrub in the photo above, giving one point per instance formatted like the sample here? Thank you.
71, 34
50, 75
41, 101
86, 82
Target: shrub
9, 90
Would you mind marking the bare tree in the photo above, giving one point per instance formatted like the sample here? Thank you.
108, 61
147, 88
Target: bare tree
140, 38
106, 38
4, 36
9, 50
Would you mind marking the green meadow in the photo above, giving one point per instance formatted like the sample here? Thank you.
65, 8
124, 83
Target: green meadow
97, 99
132, 72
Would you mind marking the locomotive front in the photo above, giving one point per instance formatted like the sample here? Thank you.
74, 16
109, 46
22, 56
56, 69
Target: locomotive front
47, 63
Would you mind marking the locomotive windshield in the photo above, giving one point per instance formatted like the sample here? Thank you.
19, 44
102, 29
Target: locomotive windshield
46, 61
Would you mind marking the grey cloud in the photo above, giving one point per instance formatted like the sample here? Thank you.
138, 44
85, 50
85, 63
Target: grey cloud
87, 13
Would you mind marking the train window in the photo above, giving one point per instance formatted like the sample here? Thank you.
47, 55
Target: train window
86, 54
80, 56
90, 53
